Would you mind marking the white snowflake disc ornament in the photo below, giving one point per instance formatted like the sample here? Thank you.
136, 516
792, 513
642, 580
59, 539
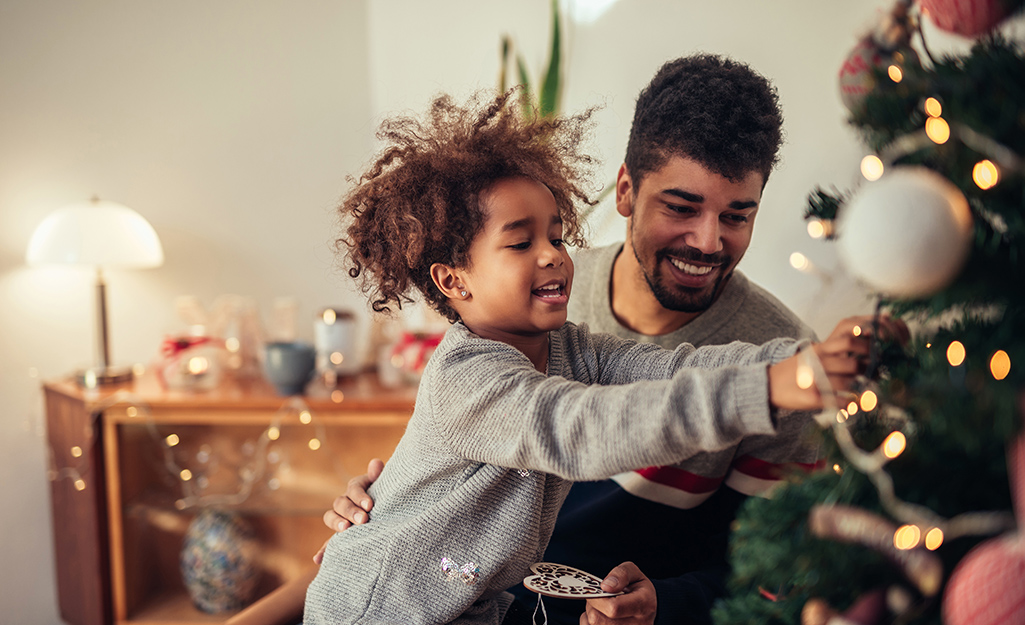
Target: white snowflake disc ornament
564, 582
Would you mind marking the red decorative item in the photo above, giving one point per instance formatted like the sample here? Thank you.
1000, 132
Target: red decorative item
856, 73
988, 585
969, 18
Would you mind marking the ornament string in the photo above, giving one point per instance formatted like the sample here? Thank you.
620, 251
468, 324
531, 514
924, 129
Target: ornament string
544, 614
872, 464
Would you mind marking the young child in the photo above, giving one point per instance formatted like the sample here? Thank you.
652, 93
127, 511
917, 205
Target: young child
472, 207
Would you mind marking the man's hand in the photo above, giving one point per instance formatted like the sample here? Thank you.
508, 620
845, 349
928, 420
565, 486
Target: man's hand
637, 607
352, 508
843, 355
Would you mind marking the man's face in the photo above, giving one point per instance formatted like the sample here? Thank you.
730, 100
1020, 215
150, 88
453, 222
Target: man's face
688, 228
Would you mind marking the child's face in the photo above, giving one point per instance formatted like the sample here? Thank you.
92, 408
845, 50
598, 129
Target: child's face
520, 273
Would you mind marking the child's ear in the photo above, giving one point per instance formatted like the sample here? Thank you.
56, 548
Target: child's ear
624, 192
448, 281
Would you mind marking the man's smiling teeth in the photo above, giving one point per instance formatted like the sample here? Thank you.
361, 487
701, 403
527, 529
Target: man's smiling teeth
694, 270
549, 291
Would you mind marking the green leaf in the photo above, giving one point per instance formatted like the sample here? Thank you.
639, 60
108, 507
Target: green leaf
549, 99
528, 96
502, 80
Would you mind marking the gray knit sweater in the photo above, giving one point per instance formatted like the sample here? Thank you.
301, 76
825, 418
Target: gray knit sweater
469, 498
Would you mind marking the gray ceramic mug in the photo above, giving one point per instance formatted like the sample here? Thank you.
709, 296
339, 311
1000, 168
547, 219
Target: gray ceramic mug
289, 365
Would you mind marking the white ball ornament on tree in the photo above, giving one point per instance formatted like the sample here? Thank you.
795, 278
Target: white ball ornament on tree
906, 235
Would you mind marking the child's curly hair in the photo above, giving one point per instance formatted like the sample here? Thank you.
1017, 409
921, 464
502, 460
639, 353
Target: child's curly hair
419, 203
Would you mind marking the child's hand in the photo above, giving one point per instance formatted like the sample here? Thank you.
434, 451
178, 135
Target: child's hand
352, 508
844, 356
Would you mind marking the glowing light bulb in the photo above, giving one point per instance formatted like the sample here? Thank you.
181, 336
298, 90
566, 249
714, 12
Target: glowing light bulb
79, 484
172, 440
76, 452
956, 353
198, 365
805, 377
894, 445
132, 411
817, 228
337, 358
329, 316
868, 401
305, 417
337, 396
314, 444
933, 108
933, 539
273, 432
232, 344
872, 168
985, 174
937, 129
907, 537
837, 469
895, 73
185, 475
841, 416
799, 261
1000, 364
852, 408
856, 330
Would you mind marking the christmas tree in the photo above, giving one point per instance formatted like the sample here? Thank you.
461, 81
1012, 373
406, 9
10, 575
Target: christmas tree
913, 520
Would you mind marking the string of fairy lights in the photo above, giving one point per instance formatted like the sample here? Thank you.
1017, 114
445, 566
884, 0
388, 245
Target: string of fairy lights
186, 472
921, 525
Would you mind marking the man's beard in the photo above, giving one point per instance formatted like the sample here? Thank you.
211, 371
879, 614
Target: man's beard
679, 298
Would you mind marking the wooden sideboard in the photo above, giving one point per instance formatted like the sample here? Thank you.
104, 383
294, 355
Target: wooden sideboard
120, 501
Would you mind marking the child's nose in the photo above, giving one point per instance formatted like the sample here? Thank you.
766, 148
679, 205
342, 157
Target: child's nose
551, 256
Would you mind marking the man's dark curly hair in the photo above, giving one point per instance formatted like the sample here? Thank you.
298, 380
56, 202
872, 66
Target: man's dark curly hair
709, 108
420, 201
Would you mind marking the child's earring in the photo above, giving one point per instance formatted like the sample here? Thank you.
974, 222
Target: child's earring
462, 293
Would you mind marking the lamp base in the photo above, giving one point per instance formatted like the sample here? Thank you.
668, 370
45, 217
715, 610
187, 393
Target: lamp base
96, 376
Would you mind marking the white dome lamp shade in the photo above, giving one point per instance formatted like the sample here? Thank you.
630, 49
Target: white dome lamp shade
100, 234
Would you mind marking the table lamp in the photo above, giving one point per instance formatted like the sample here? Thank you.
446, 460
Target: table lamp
101, 234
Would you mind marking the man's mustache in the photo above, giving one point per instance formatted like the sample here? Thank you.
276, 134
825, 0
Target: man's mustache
695, 255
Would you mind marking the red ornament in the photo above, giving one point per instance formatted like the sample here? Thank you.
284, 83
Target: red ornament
969, 18
856, 77
988, 585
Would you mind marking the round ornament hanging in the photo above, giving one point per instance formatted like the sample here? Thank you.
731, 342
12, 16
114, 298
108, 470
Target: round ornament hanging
988, 585
968, 18
906, 235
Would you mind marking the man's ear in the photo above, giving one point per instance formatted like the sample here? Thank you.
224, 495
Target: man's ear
624, 192
448, 281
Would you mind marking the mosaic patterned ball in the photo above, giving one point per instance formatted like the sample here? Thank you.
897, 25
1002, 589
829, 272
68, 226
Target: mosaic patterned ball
218, 562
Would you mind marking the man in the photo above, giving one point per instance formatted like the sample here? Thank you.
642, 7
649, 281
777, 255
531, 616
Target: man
705, 137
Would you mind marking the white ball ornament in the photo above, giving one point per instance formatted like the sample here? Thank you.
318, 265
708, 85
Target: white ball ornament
906, 235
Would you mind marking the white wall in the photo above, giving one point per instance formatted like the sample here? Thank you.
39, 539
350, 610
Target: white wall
799, 44
231, 125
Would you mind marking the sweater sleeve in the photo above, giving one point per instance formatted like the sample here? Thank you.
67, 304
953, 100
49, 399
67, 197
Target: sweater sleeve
491, 406
622, 361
